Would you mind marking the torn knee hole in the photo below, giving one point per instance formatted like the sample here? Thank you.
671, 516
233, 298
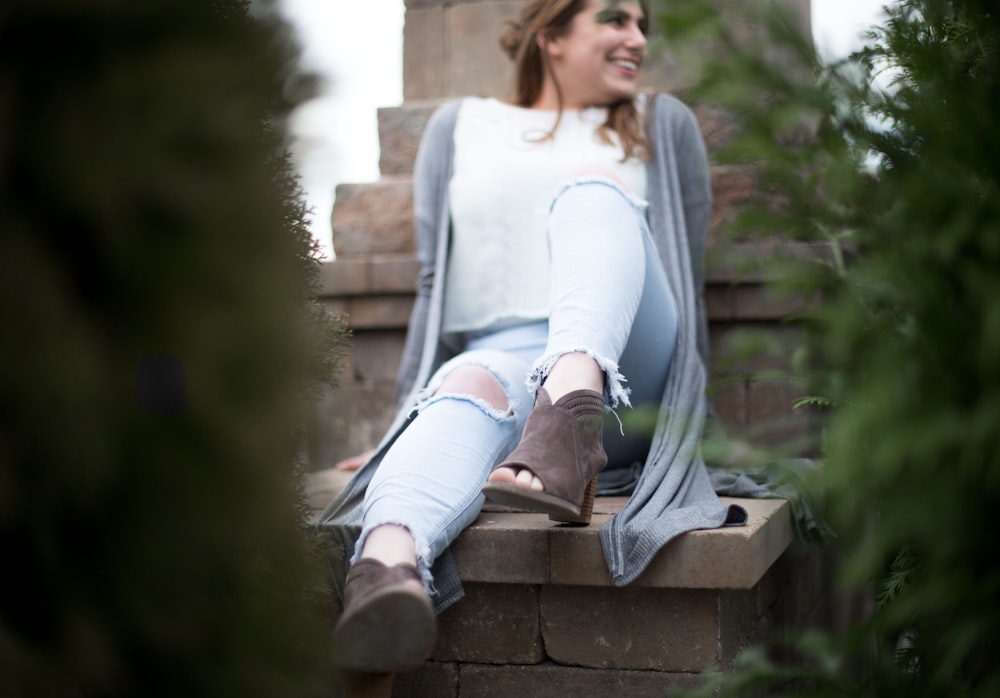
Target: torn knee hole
476, 382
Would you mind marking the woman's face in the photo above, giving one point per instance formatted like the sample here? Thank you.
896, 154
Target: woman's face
596, 62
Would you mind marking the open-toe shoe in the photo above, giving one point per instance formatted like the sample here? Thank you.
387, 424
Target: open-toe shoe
562, 445
387, 625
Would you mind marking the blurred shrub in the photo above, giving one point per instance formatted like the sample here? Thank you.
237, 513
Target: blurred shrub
900, 181
159, 348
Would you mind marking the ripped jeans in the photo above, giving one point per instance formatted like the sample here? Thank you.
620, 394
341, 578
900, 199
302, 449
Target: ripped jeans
609, 299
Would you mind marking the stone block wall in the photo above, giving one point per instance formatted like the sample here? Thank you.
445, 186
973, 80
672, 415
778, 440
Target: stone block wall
540, 617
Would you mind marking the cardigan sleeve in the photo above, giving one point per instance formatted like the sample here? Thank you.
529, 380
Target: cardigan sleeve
696, 189
430, 184
694, 177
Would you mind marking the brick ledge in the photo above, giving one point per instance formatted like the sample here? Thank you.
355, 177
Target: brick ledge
509, 547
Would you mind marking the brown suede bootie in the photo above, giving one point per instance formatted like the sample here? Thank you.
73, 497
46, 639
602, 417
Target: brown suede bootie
387, 626
563, 446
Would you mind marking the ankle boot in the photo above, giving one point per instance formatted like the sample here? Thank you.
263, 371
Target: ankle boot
387, 626
563, 446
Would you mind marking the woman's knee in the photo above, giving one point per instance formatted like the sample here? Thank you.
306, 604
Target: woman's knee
594, 194
477, 382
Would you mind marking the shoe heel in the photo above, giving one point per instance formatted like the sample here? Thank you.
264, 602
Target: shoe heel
586, 507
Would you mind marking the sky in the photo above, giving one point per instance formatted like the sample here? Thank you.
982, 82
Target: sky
355, 46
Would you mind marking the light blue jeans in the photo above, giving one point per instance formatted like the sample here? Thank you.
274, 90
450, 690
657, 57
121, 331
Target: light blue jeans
609, 299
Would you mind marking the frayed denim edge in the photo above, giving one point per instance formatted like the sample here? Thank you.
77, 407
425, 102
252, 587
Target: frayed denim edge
640, 205
427, 396
422, 549
615, 390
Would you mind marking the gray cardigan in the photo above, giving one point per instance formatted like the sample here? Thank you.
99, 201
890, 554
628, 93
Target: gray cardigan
674, 494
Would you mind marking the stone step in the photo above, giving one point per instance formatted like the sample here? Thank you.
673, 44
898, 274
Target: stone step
401, 127
399, 131
504, 546
540, 607
736, 281
725, 265
376, 218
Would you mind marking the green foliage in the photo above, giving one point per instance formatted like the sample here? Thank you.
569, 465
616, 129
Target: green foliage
158, 351
901, 184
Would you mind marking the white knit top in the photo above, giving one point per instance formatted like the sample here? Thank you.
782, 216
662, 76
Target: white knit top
504, 180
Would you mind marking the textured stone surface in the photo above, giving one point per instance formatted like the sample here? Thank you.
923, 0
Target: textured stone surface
554, 681
374, 218
734, 287
761, 302
344, 277
377, 218
728, 397
718, 126
631, 628
349, 421
424, 51
399, 131
740, 623
380, 312
726, 558
758, 261
370, 275
505, 548
476, 65
749, 302
522, 548
634, 640
386, 312
733, 187
375, 358
353, 417
389, 312
397, 275
434, 680
493, 624
364, 685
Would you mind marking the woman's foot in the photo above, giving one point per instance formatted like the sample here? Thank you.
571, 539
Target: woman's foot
561, 447
388, 623
521, 477
573, 371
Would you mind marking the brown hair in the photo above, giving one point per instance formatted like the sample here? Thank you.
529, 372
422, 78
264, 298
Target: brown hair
551, 18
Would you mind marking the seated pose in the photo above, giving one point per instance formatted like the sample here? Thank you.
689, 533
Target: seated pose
560, 238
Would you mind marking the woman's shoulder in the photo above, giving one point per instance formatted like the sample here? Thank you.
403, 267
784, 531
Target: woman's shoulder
447, 114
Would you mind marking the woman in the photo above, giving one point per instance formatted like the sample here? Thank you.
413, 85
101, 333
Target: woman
550, 292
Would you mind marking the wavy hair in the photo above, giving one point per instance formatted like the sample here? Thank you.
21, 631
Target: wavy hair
552, 18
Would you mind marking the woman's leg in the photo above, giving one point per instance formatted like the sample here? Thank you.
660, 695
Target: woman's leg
427, 488
392, 543
597, 237
598, 274
425, 492
646, 361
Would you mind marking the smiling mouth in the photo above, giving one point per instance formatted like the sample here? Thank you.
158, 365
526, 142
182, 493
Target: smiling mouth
626, 64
